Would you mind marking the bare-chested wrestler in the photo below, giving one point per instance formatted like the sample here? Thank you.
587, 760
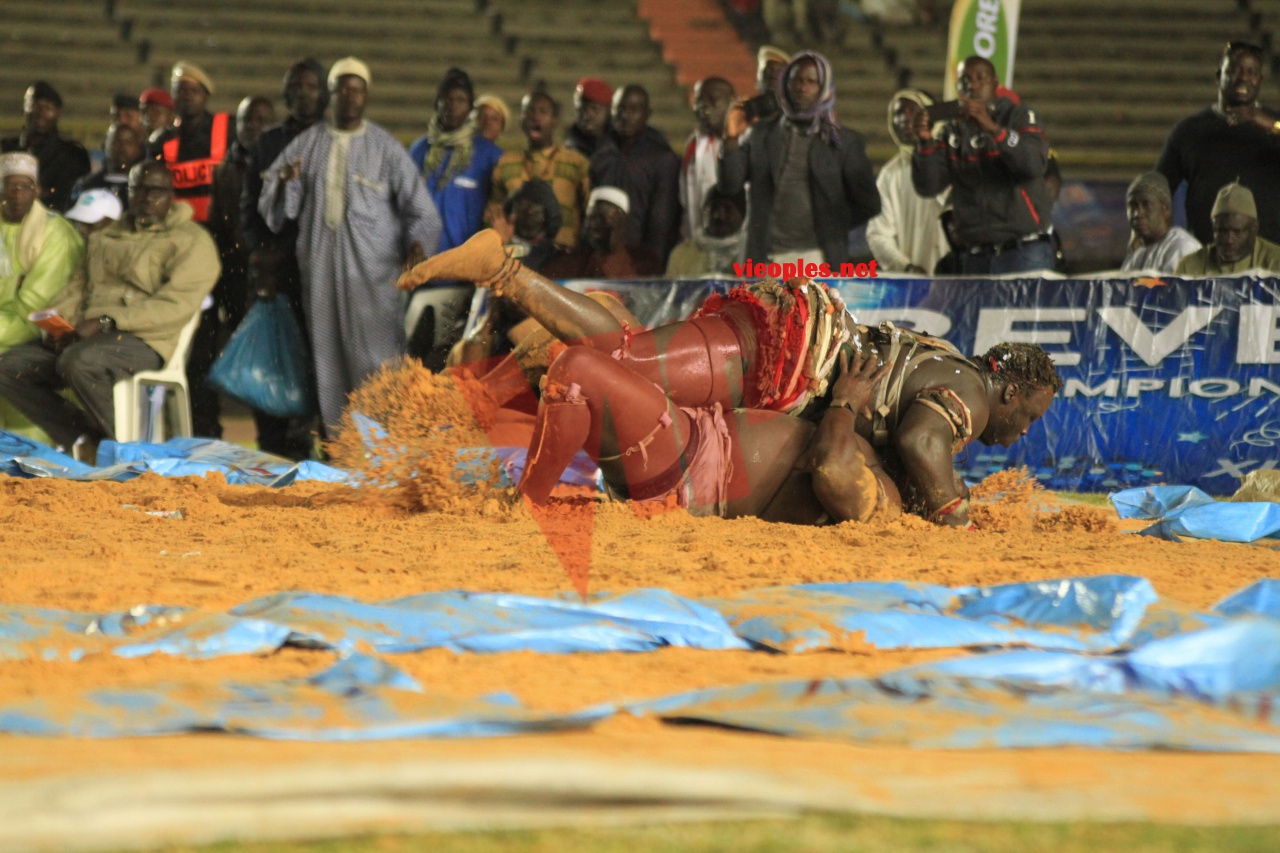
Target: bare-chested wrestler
770, 401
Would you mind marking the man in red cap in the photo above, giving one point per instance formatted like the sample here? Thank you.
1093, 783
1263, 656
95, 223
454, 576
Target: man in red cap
157, 111
592, 100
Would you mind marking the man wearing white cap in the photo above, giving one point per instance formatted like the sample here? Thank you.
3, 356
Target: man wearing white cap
603, 251
362, 211
95, 210
39, 251
1236, 246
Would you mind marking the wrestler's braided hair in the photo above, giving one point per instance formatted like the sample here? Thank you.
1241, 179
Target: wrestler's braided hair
1025, 365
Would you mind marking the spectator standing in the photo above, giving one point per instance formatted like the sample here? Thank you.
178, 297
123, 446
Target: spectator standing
124, 149
770, 61
1234, 138
253, 115
811, 181
62, 161
457, 165
604, 252
638, 160
157, 112
492, 115
273, 261
1157, 243
592, 100
564, 169
1236, 246
145, 276
126, 110
39, 252
362, 212
993, 157
191, 150
711, 100
906, 235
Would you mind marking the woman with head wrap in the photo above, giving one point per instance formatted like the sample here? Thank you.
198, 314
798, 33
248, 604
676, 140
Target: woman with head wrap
811, 181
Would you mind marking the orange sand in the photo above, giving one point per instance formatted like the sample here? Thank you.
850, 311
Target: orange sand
77, 546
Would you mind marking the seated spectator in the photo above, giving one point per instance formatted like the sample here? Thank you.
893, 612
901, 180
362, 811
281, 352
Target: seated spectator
62, 161
592, 100
638, 160
811, 181
157, 112
906, 235
93, 211
124, 148
719, 242
492, 115
1157, 243
603, 251
993, 156
1236, 246
534, 215
145, 278
39, 252
565, 170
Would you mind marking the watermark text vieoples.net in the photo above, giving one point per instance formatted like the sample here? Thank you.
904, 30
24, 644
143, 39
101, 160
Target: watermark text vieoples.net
788, 271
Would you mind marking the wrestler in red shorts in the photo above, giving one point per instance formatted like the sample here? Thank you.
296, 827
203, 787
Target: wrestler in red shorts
770, 401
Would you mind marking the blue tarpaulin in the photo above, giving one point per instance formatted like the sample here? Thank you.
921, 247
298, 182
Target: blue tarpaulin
1186, 511
1101, 663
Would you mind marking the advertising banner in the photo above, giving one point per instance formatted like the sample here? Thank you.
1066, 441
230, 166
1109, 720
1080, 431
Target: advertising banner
1166, 380
986, 28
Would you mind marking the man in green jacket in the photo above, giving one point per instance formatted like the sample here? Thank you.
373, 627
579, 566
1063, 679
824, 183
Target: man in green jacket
1236, 246
143, 279
39, 251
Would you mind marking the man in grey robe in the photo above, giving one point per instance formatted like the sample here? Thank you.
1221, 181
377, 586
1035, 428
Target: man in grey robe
362, 213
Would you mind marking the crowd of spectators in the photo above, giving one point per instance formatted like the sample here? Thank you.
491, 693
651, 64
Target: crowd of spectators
193, 210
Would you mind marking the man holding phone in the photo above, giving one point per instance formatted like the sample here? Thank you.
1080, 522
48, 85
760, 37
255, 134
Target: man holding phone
993, 156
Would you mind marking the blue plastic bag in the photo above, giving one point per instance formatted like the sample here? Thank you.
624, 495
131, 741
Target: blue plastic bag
264, 365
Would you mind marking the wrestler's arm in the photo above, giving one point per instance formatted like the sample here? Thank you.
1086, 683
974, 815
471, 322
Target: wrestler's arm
923, 441
837, 459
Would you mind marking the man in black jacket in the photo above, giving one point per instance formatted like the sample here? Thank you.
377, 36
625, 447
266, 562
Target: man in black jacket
62, 161
639, 160
1236, 138
273, 261
993, 156
811, 181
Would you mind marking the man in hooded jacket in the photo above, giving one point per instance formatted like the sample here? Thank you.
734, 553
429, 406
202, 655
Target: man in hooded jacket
907, 235
811, 181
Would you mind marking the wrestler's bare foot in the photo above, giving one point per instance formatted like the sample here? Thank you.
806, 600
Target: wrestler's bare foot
479, 259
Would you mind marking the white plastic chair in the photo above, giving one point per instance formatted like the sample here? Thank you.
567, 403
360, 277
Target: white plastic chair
133, 409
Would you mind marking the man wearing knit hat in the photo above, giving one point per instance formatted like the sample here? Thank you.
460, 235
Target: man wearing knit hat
592, 99
492, 115
362, 210
1236, 246
62, 161
457, 165
191, 150
1157, 243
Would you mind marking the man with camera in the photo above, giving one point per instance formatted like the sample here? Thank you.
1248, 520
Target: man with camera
993, 155
811, 181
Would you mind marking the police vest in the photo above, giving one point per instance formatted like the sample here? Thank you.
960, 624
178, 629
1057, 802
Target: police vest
193, 179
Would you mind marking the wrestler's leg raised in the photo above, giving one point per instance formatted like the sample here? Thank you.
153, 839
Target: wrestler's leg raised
697, 362
627, 425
